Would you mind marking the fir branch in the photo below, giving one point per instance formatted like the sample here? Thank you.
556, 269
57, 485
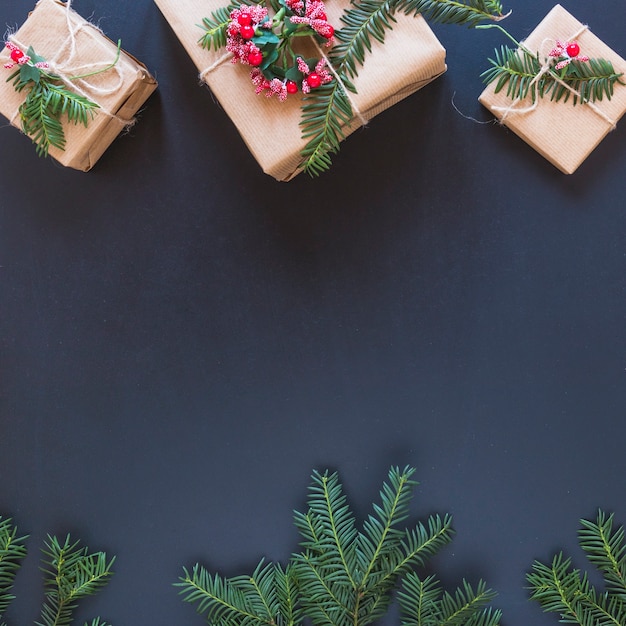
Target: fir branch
45, 103
593, 80
328, 110
12, 551
363, 21
561, 589
343, 576
238, 601
424, 603
470, 13
605, 548
71, 573
215, 27
516, 72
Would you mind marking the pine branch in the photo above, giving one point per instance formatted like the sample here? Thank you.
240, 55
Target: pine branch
470, 13
343, 576
605, 548
215, 27
241, 600
358, 590
42, 109
561, 589
424, 603
514, 71
71, 573
593, 80
12, 551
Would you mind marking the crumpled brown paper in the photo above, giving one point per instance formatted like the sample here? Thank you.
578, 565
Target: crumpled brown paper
561, 132
410, 58
61, 35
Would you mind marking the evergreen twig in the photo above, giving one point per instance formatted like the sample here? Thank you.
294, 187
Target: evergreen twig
343, 576
12, 551
562, 589
70, 573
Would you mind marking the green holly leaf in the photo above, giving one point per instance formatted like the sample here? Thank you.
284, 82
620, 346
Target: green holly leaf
289, 27
34, 57
294, 74
266, 37
29, 72
270, 56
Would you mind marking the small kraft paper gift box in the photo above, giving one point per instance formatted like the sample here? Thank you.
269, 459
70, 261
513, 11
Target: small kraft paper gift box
73, 47
270, 128
562, 132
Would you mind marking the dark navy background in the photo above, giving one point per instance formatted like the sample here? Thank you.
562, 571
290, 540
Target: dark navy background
183, 339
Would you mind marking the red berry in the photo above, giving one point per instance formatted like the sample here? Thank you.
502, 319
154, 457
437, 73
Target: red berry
247, 32
244, 19
328, 32
313, 80
573, 49
16, 54
322, 16
255, 58
292, 87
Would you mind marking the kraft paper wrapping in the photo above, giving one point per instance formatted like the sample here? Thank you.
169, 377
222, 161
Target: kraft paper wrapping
563, 133
410, 58
119, 92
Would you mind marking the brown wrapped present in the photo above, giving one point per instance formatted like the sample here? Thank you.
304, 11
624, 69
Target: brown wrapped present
74, 46
563, 133
271, 128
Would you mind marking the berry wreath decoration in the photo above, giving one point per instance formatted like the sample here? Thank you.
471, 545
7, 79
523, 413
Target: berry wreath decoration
265, 43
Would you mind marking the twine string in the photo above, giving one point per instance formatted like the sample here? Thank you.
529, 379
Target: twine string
75, 76
545, 68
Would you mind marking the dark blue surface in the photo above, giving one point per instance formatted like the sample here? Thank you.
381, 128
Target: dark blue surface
182, 339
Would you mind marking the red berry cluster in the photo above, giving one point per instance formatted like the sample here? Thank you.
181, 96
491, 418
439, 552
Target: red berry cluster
17, 56
243, 26
565, 53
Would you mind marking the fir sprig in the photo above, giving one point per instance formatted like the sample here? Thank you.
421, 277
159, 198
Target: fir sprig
70, 573
470, 14
424, 603
215, 27
12, 551
562, 589
48, 99
344, 576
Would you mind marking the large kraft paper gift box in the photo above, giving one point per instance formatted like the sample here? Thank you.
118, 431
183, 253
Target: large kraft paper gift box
563, 133
410, 58
75, 46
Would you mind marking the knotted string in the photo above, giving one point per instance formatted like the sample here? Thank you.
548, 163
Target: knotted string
545, 68
73, 76
226, 56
